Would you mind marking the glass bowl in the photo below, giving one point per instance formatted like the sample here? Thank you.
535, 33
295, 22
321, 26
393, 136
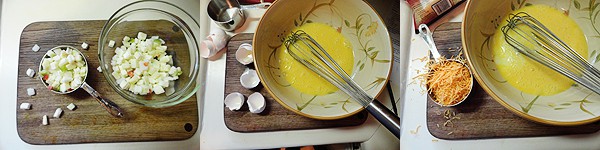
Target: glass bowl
155, 18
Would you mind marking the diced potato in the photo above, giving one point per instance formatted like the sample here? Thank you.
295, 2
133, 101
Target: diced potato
158, 89
142, 66
141, 35
137, 89
123, 84
51, 53
64, 68
137, 55
70, 59
78, 58
63, 87
126, 38
70, 66
62, 63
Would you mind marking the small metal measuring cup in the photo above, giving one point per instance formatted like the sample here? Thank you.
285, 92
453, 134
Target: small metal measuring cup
110, 106
425, 33
228, 14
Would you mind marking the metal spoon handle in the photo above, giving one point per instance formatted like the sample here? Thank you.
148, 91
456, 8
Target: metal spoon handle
110, 106
425, 33
263, 5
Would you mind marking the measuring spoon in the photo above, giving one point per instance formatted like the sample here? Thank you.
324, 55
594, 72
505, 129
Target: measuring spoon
110, 106
229, 14
426, 34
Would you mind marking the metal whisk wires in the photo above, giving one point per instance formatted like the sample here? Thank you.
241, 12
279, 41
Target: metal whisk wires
531, 38
309, 53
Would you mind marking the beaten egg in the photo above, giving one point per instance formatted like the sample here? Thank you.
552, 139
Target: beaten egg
302, 78
527, 75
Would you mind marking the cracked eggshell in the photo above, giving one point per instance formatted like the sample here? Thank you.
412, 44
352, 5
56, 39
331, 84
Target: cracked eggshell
215, 42
244, 54
249, 79
234, 101
207, 49
256, 102
218, 37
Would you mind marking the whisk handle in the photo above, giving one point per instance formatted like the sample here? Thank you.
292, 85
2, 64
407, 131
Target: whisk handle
386, 117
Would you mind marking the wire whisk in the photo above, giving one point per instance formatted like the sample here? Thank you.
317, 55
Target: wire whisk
531, 38
304, 49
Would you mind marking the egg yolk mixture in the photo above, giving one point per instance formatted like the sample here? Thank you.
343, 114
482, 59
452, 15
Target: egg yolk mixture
526, 74
302, 78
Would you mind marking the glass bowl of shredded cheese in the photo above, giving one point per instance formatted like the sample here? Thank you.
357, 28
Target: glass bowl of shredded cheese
149, 53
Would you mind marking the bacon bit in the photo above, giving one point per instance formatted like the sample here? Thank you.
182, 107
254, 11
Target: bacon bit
45, 77
339, 29
50, 87
145, 63
149, 96
130, 73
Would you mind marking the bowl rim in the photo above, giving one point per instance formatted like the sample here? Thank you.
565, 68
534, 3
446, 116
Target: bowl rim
389, 70
193, 84
497, 98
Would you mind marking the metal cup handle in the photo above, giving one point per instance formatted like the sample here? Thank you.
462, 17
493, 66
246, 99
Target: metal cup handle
110, 106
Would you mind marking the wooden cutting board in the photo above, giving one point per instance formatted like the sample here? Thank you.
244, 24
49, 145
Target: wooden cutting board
480, 115
90, 123
275, 117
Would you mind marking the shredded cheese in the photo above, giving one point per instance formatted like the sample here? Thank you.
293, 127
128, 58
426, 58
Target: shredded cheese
416, 130
448, 82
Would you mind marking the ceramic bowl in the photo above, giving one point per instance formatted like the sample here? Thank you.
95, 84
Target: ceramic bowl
574, 106
371, 47
175, 26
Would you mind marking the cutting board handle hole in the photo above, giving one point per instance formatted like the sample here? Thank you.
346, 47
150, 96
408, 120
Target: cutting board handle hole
188, 127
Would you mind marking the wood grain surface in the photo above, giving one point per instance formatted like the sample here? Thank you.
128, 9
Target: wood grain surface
480, 115
90, 123
275, 117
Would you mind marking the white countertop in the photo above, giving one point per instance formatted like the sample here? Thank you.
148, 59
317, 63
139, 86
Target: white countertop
16, 14
414, 114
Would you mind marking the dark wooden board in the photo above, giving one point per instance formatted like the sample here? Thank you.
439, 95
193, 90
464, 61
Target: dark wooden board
275, 117
90, 123
480, 115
